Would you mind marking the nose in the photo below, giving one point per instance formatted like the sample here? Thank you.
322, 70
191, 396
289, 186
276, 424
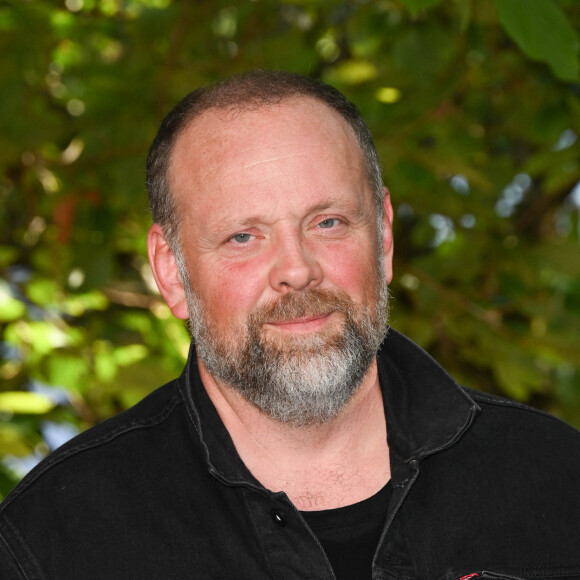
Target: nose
294, 266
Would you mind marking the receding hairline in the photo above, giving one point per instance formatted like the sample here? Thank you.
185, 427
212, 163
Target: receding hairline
251, 91
226, 114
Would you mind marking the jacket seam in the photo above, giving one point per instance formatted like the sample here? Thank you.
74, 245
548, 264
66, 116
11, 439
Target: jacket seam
560, 570
496, 401
7, 528
422, 453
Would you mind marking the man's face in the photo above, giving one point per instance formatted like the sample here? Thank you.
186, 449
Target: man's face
285, 289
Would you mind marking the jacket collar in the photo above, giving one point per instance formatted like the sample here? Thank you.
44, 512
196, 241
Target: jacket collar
425, 409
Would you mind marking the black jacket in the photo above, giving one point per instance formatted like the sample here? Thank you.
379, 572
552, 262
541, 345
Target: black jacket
481, 486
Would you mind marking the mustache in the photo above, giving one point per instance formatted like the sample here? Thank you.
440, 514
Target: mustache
307, 303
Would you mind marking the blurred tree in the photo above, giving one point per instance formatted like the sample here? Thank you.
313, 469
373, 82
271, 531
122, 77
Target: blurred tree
476, 114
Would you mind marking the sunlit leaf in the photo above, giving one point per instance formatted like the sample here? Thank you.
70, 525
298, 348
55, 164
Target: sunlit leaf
67, 371
78, 304
353, 72
130, 354
388, 95
43, 291
105, 366
10, 308
62, 22
21, 402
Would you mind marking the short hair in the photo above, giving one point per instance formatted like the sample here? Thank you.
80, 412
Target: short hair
249, 91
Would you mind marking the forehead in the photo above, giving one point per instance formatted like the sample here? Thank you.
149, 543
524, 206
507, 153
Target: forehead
299, 143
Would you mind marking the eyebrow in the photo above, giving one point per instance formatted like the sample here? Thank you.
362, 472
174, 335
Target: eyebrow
357, 209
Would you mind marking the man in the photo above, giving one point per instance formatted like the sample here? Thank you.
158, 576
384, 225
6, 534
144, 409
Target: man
299, 442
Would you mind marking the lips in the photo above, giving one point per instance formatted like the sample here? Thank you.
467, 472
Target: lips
305, 323
301, 320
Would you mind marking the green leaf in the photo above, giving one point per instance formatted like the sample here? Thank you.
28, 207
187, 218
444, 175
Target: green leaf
13, 442
464, 8
543, 32
105, 366
67, 371
130, 354
415, 6
517, 378
43, 292
25, 403
10, 308
353, 72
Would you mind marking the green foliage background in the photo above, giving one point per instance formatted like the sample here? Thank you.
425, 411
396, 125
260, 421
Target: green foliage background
475, 108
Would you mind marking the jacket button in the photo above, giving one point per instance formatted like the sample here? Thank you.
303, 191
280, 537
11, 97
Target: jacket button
279, 517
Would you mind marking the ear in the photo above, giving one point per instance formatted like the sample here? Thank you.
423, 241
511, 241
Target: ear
165, 272
388, 234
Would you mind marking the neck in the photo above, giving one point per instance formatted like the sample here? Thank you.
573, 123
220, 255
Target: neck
325, 466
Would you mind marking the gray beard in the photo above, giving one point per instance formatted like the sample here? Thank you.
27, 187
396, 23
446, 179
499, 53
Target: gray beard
297, 380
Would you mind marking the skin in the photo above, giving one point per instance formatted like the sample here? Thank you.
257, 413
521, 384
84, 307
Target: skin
273, 201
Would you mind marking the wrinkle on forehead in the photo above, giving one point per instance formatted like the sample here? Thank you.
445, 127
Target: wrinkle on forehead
227, 143
270, 159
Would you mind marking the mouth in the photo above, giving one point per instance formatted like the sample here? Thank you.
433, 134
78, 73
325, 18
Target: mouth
301, 324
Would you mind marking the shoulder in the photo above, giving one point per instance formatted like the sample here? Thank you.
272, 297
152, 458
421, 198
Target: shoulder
509, 485
81, 485
108, 443
517, 446
503, 416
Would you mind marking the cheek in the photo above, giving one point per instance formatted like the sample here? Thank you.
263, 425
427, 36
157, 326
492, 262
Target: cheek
353, 271
231, 292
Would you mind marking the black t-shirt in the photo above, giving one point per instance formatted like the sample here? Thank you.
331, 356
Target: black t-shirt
350, 534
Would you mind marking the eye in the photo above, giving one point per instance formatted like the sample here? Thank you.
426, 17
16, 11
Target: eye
241, 238
328, 223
